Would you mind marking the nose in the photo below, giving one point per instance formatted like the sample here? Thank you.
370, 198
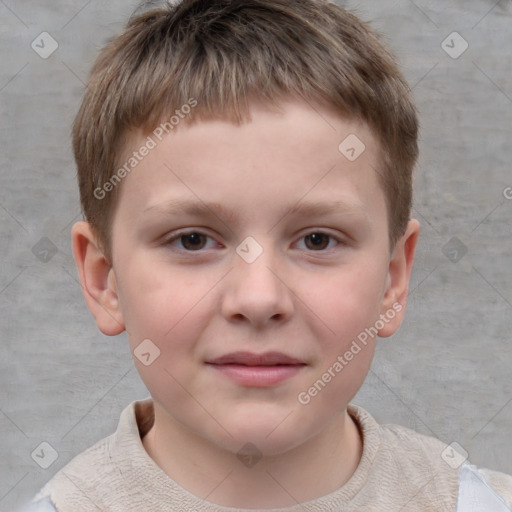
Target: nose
257, 293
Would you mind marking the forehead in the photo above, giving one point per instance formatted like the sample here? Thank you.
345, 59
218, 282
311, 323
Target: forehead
298, 153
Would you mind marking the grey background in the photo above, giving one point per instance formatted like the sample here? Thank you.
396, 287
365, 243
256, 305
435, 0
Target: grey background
446, 373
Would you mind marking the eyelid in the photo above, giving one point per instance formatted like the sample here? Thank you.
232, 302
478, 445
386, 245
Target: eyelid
176, 235
323, 231
168, 240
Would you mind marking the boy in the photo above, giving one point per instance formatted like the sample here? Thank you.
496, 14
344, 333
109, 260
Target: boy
245, 175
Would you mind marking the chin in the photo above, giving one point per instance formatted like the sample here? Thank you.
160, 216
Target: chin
270, 434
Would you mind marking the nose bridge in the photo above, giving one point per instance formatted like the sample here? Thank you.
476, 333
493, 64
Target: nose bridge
253, 265
256, 291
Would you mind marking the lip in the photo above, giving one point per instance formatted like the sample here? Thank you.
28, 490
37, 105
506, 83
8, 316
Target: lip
257, 370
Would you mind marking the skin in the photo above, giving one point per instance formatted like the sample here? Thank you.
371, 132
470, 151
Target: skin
305, 300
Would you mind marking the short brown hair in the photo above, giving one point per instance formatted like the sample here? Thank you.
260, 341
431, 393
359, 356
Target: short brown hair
224, 54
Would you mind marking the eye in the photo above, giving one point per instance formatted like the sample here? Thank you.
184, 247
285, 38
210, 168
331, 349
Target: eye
319, 241
189, 241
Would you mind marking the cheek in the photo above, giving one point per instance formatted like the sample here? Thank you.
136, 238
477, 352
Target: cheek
347, 303
348, 307
174, 322
156, 299
171, 310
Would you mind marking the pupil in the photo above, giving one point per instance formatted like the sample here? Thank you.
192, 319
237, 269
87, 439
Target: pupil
318, 239
192, 240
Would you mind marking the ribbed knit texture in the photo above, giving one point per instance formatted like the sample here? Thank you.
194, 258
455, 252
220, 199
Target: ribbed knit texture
400, 470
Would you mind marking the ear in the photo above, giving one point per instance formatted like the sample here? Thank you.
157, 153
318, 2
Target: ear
397, 285
98, 280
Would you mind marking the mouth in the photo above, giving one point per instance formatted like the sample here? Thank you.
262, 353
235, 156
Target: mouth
257, 370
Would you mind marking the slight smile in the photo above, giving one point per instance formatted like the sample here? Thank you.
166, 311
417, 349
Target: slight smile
257, 370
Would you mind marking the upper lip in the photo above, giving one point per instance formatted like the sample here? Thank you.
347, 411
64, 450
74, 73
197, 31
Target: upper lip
252, 359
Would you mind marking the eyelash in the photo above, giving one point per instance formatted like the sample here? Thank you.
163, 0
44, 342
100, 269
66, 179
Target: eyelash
179, 235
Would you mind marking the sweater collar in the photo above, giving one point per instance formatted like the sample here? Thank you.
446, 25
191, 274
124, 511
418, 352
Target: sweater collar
138, 469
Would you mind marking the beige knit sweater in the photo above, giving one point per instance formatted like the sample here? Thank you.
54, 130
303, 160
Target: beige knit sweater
400, 470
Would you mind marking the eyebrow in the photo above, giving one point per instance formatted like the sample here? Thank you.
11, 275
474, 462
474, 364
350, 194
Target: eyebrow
326, 207
193, 208
300, 209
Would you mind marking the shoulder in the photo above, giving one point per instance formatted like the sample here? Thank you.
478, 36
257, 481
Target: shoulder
501, 483
403, 468
450, 462
43, 505
86, 482
78, 480
431, 450
432, 467
407, 447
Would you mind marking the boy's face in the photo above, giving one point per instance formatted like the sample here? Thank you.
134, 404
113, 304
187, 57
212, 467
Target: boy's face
304, 286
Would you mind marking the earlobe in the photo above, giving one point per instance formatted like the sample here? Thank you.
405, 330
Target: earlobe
97, 279
399, 274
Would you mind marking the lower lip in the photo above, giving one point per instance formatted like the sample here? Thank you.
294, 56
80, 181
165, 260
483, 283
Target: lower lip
258, 376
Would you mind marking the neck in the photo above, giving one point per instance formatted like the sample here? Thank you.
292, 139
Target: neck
319, 466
